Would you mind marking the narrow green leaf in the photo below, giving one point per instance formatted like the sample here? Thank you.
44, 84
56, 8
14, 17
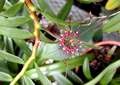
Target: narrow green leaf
74, 77
61, 80
44, 80
7, 5
4, 66
27, 81
5, 77
11, 46
11, 58
59, 66
45, 39
112, 24
13, 21
1, 42
63, 14
2, 2
98, 36
108, 77
45, 7
52, 51
112, 66
22, 45
12, 11
15, 33
85, 31
112, 50
86, 69
8, 45
115, 81
113, 28
57, 20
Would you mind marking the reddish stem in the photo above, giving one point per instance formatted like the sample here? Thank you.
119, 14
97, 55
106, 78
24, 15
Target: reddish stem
117, 43
102, 43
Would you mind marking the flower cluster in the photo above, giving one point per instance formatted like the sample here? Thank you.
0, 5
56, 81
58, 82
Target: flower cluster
69, 41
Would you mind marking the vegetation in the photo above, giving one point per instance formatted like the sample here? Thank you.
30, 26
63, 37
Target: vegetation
39, 47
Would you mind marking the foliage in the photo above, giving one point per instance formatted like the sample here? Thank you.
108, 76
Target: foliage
55, 63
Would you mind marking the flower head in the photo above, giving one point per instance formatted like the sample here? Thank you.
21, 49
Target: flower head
69, 41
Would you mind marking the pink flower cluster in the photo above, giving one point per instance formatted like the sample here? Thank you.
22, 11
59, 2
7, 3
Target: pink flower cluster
70, 42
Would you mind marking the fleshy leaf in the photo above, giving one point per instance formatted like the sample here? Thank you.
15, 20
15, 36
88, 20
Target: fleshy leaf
5, 77
59, 66
2, 2
112, 66
15, 33
44, 80
45, 7
108, 77
63, 14
13, 21
11, 58
86, 69
112, 24
61, 80
27, 81
12, 11
22, 44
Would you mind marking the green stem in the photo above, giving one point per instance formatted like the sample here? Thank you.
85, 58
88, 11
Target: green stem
24, 68
37, 39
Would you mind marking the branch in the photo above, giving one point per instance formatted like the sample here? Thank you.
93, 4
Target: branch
36, 34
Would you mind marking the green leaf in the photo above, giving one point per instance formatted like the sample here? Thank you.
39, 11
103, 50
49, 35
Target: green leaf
12, 11
2, 2
46, 39
112, 4
1, 42
22, 45
52, 51
63, 14
11, 58
8, 45
7, 5
27, 81
112, 66
113, 28
57, 20
45, 7
112, 24
74, 77
44, 80
87, 32
13, 21
5, 77
15, 33
98, 36
59, 66
4, 66
115, 81
61, 80
108, 77
86, 69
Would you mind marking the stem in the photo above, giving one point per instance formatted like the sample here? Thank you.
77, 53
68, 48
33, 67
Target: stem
116, 43
36, 34
103, 43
